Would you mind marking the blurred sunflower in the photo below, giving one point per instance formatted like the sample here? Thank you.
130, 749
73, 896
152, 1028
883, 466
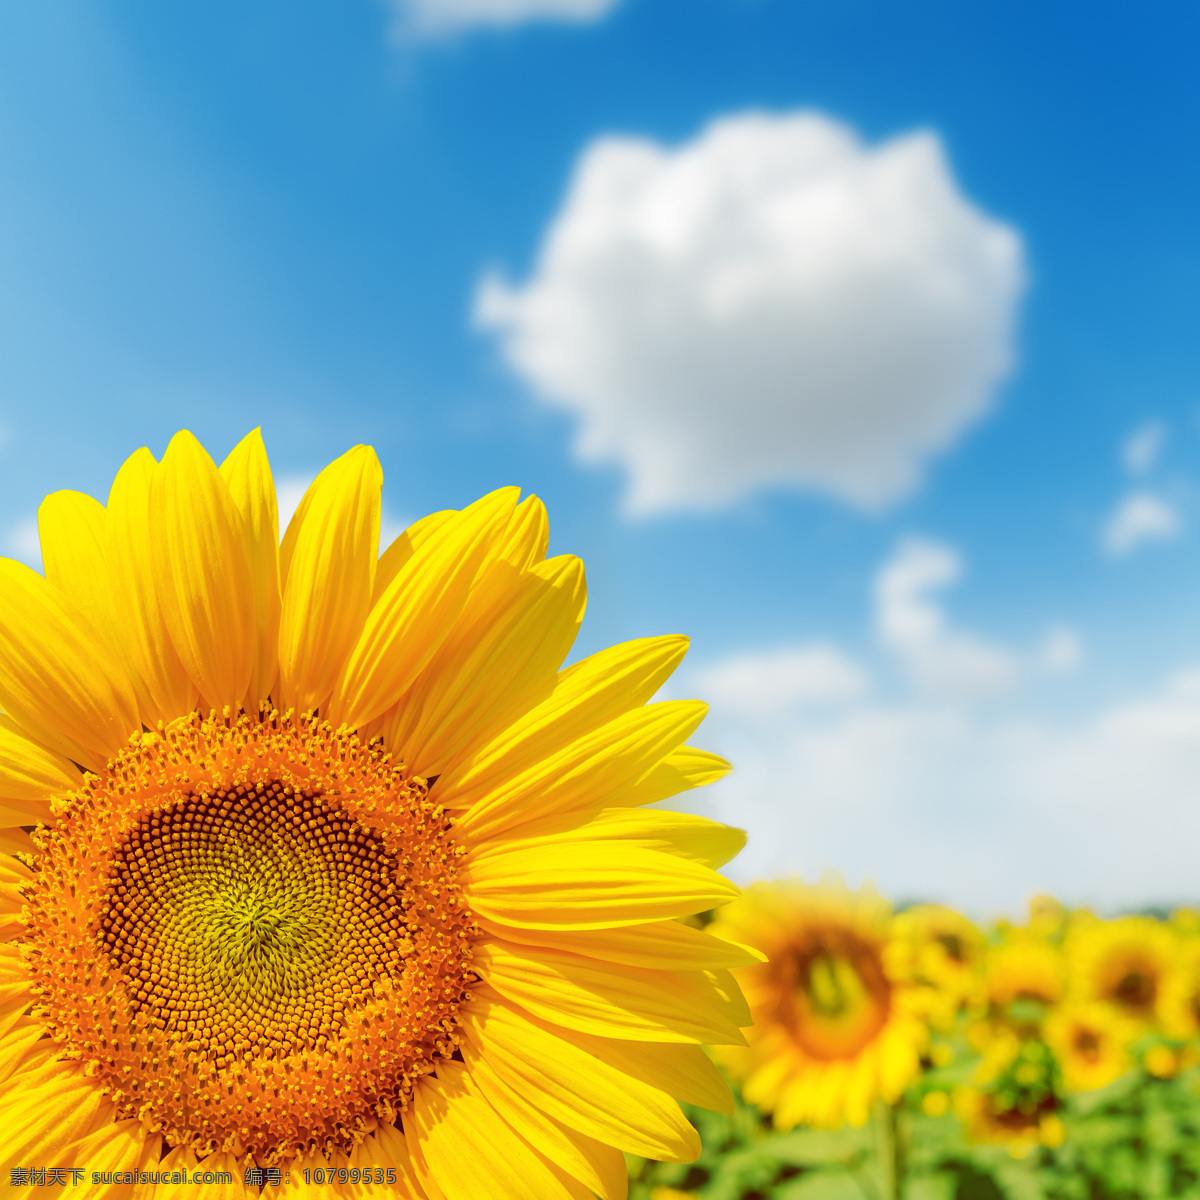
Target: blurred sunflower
1179, 1007
337, 867
1129, 963
1091, 1043
837, 1025
943, 949
1025, 977
1017, 1101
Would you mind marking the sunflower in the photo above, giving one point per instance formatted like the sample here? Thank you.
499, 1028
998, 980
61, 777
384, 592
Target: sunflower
1091, 1043
836, 1025
1024, 978
1130, 964
944, 950
334, 871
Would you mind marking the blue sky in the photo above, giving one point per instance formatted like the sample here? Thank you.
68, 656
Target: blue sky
222, 215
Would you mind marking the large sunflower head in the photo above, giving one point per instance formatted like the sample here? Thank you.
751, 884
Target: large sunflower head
333, 866
1130, 963
836, 1025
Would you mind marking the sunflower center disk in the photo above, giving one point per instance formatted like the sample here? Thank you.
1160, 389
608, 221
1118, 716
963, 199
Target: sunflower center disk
251, 921
251, 929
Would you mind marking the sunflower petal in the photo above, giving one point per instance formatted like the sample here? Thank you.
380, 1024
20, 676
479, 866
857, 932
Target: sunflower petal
605, 998
74, 556
404, 547
596, 1165
508, 645
59, 681
585, 696
386, 1148
572, 1086
38, 1124
248, 475
695, 838
471, 1152
30, 773
119, 1146
661, 945
200, 549
163, 687
582, 885
588, 772
327, 564
413, 617
681, 771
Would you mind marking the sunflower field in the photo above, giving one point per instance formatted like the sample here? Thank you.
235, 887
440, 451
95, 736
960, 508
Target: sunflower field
914, 1055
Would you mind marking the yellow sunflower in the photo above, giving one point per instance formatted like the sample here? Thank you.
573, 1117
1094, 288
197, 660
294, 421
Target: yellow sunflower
1091, 1043
941, 948
836, 1026
1129, 963
1024, 978
336, 873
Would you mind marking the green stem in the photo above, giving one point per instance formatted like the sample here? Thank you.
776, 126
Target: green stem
889, 1150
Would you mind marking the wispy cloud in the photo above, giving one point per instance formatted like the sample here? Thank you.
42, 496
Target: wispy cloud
1139, 518
443, 18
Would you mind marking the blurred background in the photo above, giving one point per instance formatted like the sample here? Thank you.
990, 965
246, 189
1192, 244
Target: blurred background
854, 338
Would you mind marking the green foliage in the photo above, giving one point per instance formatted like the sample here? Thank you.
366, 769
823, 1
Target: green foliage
1138, 1138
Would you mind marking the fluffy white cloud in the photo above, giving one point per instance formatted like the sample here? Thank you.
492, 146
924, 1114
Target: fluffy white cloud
771, 303
1139, 518
440, 17
1141, 449
767, 684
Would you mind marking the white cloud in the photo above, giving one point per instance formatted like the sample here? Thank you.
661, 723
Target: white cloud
1141, 449
941, 662
771, 303
442, 17
767, 684
934, 796
1139, 518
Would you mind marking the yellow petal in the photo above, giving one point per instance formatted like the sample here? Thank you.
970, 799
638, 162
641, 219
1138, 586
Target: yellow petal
28, 772
38, 1125
696, 838
16, 841
685, 1072
75, 558
248, 475
606, 999
585, 696
14, 975
163, 688
123, 1146
470, 1151
508, 645
386, 1148
589, 885
662, 945
686, 768
200, 550
327, 564
59, 680
527, 536
404, 547
181, 1158
420, 607
599, 1167
572, 1086
588, 772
